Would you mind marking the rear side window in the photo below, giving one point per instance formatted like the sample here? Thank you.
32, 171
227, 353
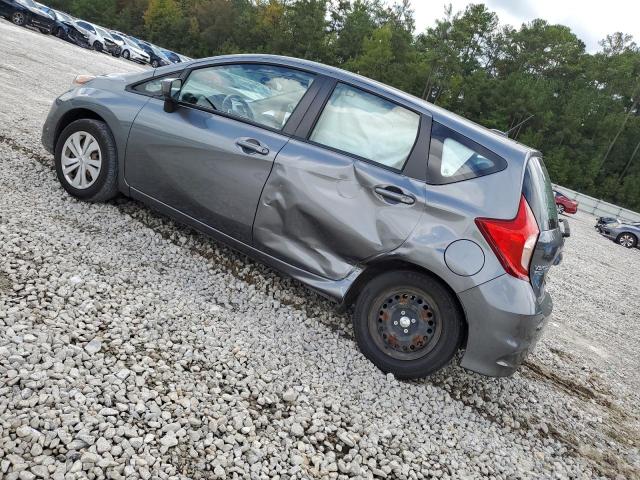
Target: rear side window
538, 191
362, 124
454, 157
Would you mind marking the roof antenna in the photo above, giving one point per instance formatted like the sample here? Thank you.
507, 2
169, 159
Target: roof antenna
519, 125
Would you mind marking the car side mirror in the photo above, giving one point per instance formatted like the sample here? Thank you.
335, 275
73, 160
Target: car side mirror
564, 227
170, 90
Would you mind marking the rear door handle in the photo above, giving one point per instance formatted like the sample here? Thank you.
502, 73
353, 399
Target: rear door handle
252, 145
395, 194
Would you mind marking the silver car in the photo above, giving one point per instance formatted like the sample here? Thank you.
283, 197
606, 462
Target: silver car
438, 231
625, 234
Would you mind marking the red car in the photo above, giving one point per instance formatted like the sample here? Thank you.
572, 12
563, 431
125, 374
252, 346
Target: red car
564, 203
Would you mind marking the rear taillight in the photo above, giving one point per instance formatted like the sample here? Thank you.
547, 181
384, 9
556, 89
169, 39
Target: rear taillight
513, 241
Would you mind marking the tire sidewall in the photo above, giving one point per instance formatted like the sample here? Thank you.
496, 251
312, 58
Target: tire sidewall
125, 54
19, 15
452, 325
107, 151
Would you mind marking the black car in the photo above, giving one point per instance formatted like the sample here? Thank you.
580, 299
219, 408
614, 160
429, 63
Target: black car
156, 57
26, 13
65, 29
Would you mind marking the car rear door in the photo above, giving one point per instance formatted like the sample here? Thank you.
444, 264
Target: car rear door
210, 158
349, 187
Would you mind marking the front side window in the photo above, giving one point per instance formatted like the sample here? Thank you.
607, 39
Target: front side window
454, 157
264, 94
366, 125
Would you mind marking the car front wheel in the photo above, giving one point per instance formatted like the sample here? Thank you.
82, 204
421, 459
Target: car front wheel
86, 161
126, 55
408, 324
97, 46
627, 240
18, 18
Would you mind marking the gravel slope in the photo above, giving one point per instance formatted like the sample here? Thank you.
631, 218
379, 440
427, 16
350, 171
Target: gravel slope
132, 347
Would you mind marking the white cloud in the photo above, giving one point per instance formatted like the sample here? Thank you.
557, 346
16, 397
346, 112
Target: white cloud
590, 20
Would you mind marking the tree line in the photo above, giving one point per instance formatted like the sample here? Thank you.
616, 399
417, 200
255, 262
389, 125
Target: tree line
537, 80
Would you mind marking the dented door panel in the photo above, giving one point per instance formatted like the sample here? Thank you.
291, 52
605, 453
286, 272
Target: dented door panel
321, 210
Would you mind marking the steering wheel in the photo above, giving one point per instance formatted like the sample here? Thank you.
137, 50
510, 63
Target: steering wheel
237, 105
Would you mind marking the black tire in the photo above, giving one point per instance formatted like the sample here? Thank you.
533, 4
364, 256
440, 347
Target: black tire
628, 240
97, 46
155, 64
126, 55
19, 18
406, 359
105, 186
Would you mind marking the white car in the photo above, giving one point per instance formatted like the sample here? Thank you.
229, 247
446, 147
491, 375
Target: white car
96, 40
130, 50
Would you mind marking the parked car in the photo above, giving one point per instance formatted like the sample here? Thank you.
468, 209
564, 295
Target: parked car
603, 222
110, 44
26, 13
130, 49
156, 57
625, 234
96, 40
173, 57
439, 231
564, 204
66, 29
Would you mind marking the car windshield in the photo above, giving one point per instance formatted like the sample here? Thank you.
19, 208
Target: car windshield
28, 3
103, 33
62, 16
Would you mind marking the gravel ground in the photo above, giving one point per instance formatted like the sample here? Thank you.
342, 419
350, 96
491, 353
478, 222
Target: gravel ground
132, 347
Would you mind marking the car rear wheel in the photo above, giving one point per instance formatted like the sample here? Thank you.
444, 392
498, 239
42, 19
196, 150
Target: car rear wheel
86, 161
408, 324
19, 19
627, 240
126, 55
560, 208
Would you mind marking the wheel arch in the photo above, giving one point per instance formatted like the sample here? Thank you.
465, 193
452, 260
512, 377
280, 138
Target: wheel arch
378, 267
73, 115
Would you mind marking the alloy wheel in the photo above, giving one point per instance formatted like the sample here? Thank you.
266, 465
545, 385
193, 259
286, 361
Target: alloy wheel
125, 54
560, 208
18, 18
81, 160
626, 240
405, 324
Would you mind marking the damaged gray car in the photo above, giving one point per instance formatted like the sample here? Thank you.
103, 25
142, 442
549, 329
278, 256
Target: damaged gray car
439, 232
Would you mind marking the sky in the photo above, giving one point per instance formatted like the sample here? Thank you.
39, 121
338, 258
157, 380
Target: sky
590, 20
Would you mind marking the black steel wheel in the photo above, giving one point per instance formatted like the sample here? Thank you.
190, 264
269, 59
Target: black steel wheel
407, 323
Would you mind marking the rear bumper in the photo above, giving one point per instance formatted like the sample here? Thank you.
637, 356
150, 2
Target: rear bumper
505, 321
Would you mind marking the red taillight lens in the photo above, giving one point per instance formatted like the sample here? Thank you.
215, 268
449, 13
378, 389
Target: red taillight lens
512, 241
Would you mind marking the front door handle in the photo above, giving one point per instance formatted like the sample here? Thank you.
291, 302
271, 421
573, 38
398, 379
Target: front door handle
395, 194
252, 145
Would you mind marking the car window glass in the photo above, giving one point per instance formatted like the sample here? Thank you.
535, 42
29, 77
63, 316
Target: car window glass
366, 125
454, 157
263, 94
537, 190
151, 87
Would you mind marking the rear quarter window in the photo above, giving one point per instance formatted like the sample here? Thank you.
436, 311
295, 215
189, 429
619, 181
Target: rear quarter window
454, 157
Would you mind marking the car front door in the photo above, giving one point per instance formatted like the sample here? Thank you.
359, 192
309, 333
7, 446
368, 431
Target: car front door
351, 189
210, 158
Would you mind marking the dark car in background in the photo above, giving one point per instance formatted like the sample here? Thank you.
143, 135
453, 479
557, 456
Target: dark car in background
66, 29
625, 234
564, 204
438, 231
156, 57
26, 13
173, 57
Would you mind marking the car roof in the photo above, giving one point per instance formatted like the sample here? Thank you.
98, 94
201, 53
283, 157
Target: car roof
497, 142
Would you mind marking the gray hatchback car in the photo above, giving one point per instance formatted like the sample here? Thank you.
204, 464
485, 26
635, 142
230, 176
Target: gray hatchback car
438, 231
